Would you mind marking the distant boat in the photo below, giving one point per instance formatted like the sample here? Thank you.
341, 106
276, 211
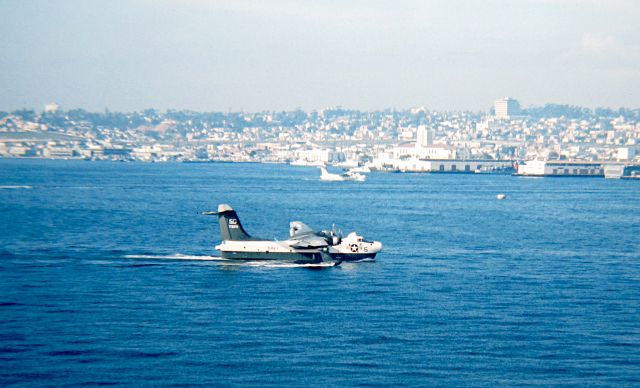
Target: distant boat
501, 196
347, 176
355, 176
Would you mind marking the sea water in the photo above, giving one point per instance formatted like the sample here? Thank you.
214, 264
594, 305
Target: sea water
107, 277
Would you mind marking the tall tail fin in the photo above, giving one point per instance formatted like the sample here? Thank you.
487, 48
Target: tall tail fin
230, 226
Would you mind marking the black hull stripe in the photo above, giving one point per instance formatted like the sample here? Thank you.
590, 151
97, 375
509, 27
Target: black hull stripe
293, 256
352, 256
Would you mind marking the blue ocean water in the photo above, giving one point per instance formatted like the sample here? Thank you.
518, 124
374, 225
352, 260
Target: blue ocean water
104, 279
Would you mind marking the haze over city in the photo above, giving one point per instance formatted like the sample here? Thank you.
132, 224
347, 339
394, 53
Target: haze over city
281, 55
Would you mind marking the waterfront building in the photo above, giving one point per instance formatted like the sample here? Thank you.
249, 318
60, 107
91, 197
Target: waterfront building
435, 152
320, 155
621, 171
440, 165
560, 168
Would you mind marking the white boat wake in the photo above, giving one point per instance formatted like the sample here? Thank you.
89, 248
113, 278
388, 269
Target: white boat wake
367, 260
175, 256
230, 262
274, 264
16, 187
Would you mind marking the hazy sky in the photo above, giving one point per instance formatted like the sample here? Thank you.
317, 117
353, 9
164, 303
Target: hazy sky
281, 54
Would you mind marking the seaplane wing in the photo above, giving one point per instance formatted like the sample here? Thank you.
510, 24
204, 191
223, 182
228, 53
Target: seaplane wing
311, 242
303, 236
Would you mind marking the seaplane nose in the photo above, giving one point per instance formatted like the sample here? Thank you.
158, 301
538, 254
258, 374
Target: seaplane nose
376, 246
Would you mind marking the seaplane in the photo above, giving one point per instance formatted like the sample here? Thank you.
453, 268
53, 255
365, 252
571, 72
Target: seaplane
347, 176
303, 246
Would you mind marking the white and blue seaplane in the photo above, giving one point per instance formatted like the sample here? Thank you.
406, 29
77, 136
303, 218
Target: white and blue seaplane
304, 245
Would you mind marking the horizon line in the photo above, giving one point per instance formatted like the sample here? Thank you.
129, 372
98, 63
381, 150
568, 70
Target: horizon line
334, 107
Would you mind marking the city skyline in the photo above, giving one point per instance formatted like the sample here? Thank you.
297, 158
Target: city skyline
281, 55
382, 140
489, 109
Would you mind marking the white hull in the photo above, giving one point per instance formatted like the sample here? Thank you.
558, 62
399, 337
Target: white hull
348, 176
266, 250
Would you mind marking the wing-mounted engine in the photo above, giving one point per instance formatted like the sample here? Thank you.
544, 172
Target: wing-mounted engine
332, 236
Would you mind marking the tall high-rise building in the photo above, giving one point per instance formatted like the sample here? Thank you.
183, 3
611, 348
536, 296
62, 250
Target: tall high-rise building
506, 107
425, 136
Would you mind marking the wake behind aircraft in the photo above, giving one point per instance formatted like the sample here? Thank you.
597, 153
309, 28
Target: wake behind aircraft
303, 246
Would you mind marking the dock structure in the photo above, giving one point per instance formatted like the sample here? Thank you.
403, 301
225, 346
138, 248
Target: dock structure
576, 168
621, 171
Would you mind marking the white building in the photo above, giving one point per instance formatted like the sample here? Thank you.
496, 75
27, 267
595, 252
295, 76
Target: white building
425, 136
320, 155
626, 153
435, 152
51, 107
506, 107
559, 168
439, 166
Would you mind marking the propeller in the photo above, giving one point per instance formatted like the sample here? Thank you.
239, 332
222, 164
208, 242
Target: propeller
336, 238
